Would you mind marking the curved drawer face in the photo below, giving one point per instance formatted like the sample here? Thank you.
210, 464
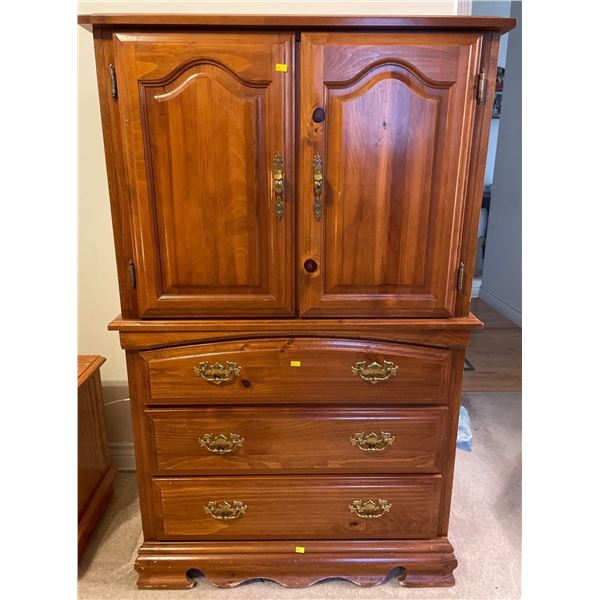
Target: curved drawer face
295, 440
304, 370
298, 507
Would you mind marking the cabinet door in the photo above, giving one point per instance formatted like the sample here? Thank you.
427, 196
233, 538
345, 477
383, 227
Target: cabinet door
203, 116
393, 137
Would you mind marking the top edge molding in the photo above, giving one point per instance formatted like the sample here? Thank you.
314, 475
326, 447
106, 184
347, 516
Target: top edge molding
496, 24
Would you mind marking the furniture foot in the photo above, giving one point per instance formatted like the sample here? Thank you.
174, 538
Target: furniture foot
417, 579
163, 577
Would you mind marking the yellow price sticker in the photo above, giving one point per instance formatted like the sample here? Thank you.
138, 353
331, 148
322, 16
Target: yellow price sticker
295, 363
299, 549
281, 67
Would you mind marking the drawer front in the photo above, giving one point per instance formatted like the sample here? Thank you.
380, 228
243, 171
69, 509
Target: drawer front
298, 507
289, 439
298, 370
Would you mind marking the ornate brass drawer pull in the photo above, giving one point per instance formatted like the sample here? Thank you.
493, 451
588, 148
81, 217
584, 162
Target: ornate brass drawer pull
372, 442
317, 185
221, 443
217, 373
369, 509
225, 511
278, 185
374, 372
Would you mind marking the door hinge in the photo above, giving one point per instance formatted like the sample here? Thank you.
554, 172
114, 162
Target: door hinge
113, 81
481, 86
131, 272
461, 276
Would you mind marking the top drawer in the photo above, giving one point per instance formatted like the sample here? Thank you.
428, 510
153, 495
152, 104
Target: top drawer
298, 370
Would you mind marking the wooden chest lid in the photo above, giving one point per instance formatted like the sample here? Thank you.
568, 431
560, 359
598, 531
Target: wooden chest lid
87, 365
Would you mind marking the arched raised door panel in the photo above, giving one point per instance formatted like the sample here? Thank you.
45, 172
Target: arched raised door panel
205, 122
394, 141
207, 172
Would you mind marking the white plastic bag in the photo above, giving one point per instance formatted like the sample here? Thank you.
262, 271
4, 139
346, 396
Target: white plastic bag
464, 437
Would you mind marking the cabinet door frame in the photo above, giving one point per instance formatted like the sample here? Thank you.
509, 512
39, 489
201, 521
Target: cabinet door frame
313, 301
277, 296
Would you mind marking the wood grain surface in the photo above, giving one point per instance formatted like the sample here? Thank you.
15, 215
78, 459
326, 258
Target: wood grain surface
94, 471
298, 21
165, 565
298, 370
313, 507
394, 142
202, 117
297, 440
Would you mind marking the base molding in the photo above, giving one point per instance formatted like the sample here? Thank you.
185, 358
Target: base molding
424, 563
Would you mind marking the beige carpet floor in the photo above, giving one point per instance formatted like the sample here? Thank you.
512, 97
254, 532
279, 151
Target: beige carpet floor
485, 529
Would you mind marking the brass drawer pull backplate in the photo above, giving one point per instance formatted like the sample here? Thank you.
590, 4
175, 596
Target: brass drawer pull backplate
372, 442
369, 509
278, 185
217, 373
375, 372
225, 511
221, 443
318, 186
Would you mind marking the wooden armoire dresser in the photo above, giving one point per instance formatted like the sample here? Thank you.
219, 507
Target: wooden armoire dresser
295, 204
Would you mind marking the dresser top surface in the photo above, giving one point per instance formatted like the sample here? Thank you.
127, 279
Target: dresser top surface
498, 24
87, 365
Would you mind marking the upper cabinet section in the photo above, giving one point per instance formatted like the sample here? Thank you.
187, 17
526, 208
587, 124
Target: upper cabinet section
206, 121
329, 167
386, 124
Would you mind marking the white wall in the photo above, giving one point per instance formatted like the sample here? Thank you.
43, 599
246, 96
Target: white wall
98, 291
501, 285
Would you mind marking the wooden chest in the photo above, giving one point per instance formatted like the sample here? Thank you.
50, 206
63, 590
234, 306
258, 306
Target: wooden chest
95, 474
295, 204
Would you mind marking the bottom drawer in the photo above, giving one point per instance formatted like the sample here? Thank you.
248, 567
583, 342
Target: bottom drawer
313, 507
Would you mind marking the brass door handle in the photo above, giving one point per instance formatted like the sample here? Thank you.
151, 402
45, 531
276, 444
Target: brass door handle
372, 442
375, 372
225, 511
369, 509
221, 443
278, 185
217, 373
317, 186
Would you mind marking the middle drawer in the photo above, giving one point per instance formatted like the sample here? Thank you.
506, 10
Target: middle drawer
297, 440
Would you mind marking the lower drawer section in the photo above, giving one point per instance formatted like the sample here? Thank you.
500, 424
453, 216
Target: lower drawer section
314, 507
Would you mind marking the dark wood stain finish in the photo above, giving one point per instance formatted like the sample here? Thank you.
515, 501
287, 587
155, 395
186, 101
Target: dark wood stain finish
203, 125
297, 440
95, 474
288, 304
298, 370
292, 508
394, 146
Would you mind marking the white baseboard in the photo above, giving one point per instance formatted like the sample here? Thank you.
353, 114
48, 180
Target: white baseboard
122, 456
510, 312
